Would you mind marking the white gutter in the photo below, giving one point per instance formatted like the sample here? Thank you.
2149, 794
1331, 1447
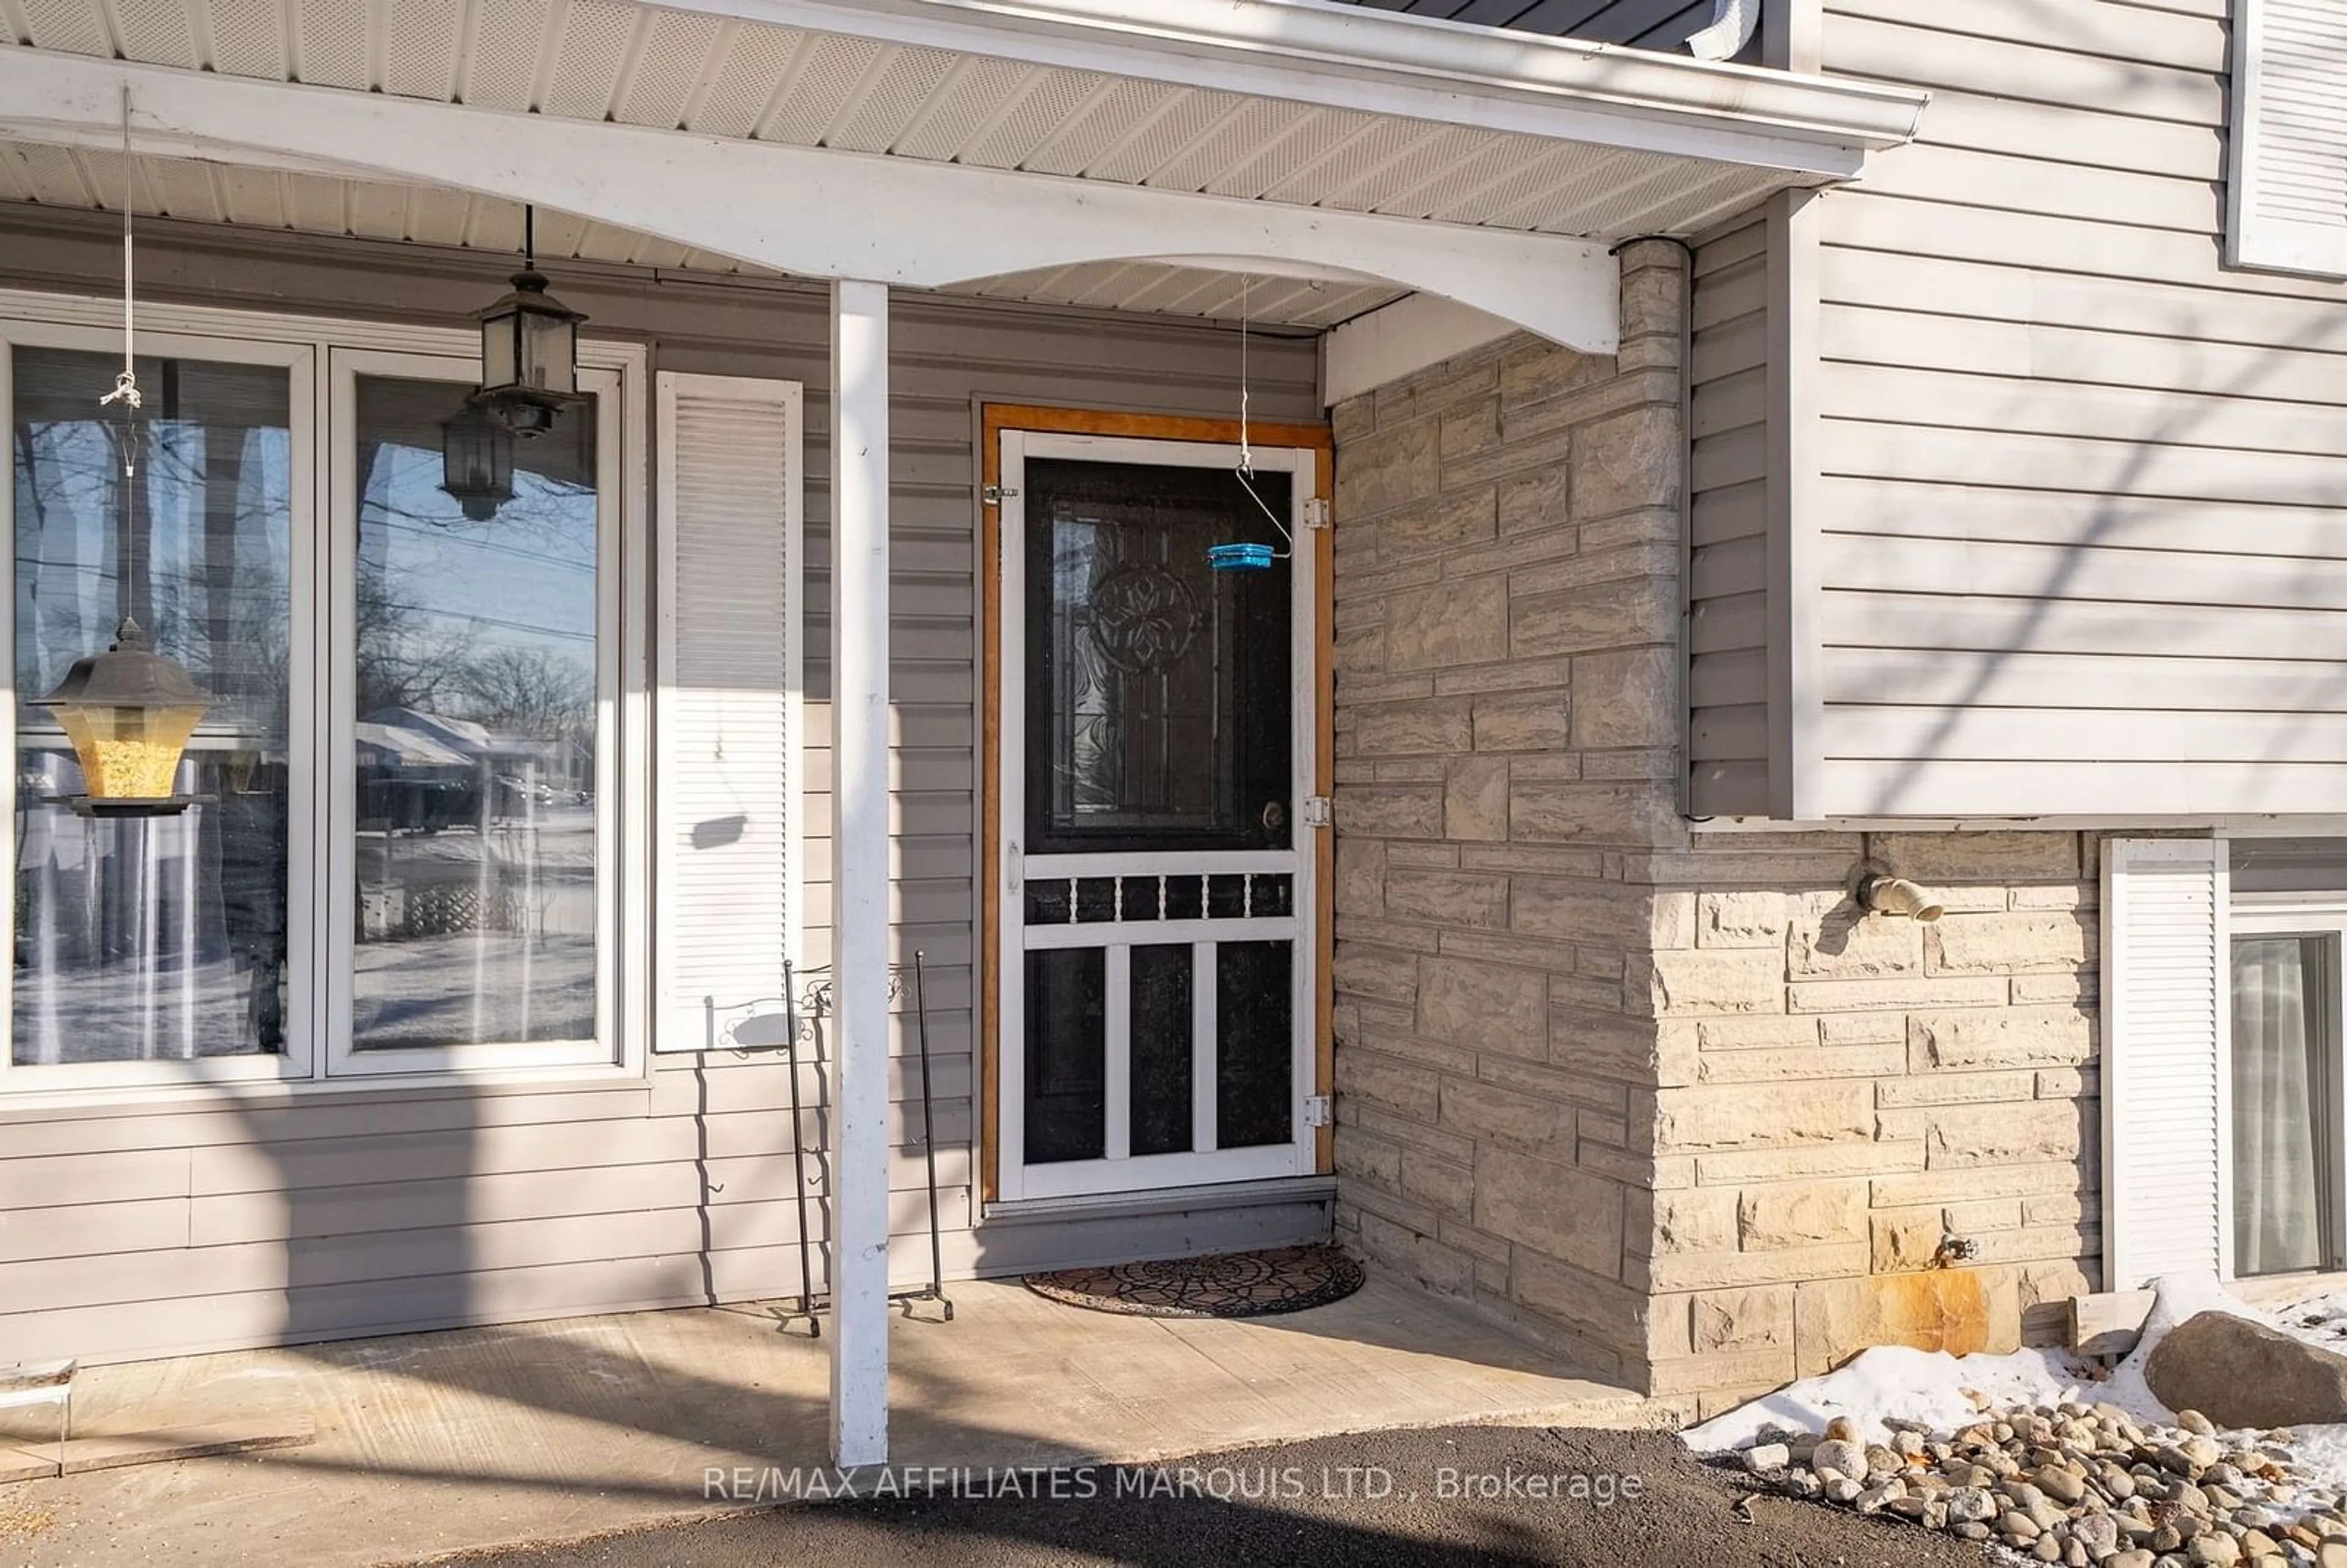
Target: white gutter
1381, 62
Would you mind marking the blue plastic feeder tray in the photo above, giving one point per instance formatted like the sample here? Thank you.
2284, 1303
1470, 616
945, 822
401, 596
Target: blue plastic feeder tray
1239, 557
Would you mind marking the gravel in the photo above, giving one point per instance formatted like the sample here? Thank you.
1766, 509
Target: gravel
2088, 1486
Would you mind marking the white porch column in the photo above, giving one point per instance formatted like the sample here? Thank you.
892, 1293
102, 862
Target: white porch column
859, 705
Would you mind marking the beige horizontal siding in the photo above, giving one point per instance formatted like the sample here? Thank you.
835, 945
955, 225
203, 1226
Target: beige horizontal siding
1976, 632
296, 1311
2077, 53
1918, 509
2081, 512
2187, 683
2089, 787
250, 1216
2110, 31
303, 1309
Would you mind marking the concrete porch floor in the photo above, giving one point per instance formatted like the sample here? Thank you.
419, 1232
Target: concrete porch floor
435, 1443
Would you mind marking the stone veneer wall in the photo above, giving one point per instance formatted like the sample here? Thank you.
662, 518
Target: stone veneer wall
1655, 1096
1507, 556
1838, 1093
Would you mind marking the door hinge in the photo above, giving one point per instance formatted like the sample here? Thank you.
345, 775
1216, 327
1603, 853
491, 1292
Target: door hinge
1317, 811
1316, 512
1317, 1111
992, 495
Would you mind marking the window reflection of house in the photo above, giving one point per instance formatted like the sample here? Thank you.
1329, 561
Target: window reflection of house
471, 829
410, 779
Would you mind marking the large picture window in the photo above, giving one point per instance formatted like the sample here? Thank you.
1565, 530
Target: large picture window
394, 846
476, 727
165, 937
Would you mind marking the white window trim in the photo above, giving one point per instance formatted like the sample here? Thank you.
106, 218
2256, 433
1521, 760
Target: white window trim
343, 1059
35, 318
301, 361
2287, 915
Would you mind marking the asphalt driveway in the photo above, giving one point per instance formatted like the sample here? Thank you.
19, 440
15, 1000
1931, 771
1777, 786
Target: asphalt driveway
1486, 1495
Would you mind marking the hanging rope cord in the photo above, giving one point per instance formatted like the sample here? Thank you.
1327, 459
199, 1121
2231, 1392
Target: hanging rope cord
1246, 450
126, 382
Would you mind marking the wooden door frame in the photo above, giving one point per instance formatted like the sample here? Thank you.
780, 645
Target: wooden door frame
994, 419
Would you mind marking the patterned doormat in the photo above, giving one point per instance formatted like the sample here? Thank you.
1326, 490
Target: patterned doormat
1228, 1284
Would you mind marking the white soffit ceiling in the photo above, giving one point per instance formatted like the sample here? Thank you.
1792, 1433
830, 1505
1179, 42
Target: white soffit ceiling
720, 76
202, 192
1192, 291
240, 194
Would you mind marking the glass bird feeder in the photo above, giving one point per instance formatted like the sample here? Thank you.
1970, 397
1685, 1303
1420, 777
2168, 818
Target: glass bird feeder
128, 712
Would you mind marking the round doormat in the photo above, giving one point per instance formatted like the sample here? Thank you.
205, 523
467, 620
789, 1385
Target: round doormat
1228, 1284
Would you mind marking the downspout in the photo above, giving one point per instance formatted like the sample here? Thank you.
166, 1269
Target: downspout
1733, 23
1686, 537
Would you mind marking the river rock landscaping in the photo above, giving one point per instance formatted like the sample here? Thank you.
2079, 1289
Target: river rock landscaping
2075, 1484
2045, 1457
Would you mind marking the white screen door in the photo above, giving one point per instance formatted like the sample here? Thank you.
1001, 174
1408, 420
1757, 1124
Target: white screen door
1156, 889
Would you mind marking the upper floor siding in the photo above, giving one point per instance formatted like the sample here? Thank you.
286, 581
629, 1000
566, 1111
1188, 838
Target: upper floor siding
2066, 499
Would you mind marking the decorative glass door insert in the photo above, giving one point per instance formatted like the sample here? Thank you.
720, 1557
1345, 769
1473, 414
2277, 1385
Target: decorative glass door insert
1156, 754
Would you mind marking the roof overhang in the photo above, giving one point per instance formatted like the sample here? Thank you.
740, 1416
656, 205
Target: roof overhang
1021, 148
809, 211
1422, 67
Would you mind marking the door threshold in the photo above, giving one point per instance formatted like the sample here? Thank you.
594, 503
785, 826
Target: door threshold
1160, 1200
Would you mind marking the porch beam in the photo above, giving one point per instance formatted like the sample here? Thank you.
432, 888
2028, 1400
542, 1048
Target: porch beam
859, 644
1398, 340
806, 210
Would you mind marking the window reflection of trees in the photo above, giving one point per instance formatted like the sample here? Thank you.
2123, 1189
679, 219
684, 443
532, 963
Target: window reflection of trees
222, 611
476, 675
503, 672
162, 938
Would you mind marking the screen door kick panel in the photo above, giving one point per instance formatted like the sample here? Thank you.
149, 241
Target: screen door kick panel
1156, 884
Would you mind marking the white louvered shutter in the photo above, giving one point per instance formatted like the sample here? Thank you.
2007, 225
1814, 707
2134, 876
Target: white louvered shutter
2165, 1018
2286, 203
727, 713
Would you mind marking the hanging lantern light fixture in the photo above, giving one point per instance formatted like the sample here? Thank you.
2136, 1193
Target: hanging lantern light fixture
477, 454
128, 712
529, 348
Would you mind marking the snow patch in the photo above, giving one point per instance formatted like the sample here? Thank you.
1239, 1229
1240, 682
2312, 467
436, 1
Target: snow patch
1928, 1386
1934, 1387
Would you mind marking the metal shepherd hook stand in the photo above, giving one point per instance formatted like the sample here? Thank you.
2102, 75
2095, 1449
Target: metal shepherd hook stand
803, 1012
